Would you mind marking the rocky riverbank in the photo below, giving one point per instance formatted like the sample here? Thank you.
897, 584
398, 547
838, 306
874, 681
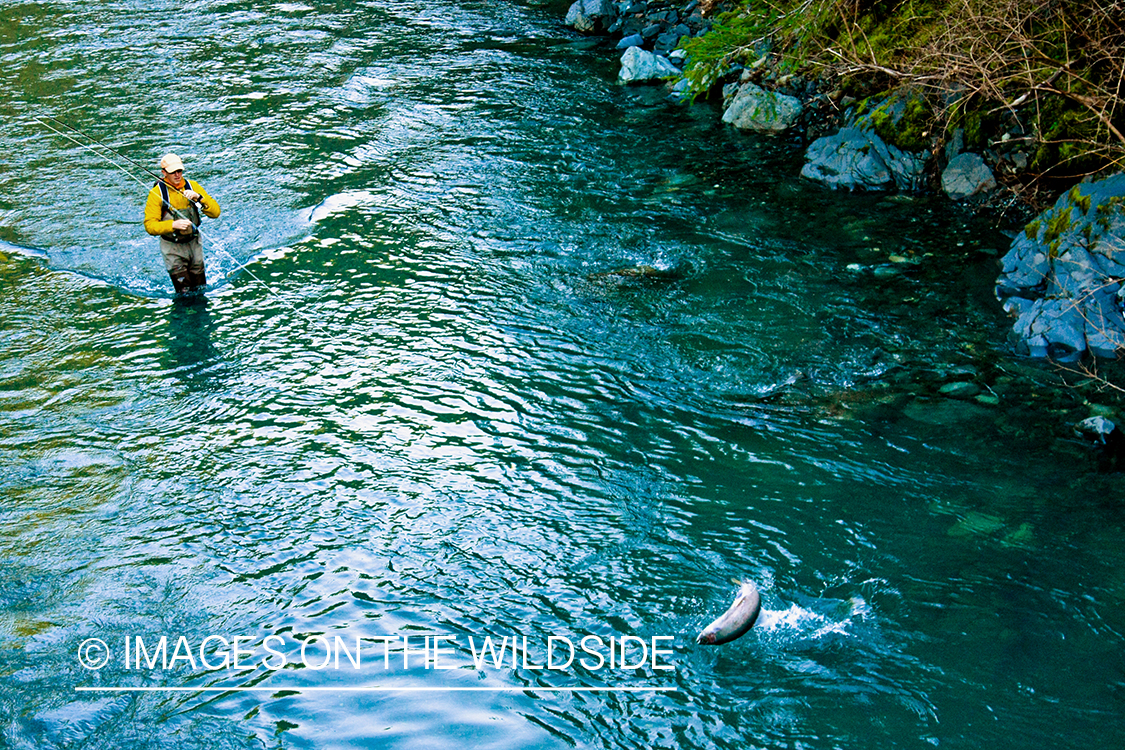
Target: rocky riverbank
872, 144
1061, 279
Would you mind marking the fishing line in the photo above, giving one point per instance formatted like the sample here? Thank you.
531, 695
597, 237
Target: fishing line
213, 243
106, 146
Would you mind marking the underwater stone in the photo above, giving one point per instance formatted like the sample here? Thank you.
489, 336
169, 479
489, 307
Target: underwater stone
1096, 429
960, 389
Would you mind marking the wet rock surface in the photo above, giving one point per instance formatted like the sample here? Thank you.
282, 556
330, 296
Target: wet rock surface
857, 159
967, 176
1062, 276
754, 108
641, 66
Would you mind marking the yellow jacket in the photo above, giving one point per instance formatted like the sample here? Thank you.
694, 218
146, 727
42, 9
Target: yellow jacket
155, 221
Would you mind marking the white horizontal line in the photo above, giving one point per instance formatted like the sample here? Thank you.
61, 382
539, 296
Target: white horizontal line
347, 689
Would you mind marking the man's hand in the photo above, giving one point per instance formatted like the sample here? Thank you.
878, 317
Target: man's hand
182, 226
191, 195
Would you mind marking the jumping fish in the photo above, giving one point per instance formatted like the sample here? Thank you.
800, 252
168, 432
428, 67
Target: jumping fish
735, 621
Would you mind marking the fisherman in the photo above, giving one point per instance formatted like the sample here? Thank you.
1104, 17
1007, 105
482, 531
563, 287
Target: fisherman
172, 213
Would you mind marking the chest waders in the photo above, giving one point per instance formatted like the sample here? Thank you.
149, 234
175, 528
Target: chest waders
185, 281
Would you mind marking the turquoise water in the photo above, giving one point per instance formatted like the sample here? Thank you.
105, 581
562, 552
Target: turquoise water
427, 405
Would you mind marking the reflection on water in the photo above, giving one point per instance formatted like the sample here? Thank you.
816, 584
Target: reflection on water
443, 403
190, 351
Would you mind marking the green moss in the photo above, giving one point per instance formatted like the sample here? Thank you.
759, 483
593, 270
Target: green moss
1031, 231
914, 126
1082, 201
1065, 143
931, 39
901, 119
1056, 225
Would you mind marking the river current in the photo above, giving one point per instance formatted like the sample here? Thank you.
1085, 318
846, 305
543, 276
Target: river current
498, 348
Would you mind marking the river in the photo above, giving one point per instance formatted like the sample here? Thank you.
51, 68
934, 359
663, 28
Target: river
434, 396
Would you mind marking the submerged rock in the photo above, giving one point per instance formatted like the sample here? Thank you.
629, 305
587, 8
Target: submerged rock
1095, 429
1062, 276
649, 273
1107, 439
754, 108
960, 389
857, 159
976, 523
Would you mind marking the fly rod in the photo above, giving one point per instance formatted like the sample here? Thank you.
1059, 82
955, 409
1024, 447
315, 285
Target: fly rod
107, 147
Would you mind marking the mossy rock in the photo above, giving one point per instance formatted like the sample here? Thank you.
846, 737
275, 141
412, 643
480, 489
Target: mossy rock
977, 127
1057, 224
902, 119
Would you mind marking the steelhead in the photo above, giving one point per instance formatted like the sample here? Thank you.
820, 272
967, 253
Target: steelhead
738, 619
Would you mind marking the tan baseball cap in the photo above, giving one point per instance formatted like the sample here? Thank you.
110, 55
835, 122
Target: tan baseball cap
171, 163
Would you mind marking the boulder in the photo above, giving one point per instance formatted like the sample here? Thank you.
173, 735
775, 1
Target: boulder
1095, 429
590, 15
965, 176
639, 66
1104, 435
1051, 328
858, 159
754, 108
1062, 276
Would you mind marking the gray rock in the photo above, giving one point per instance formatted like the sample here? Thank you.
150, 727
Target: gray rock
667, 41
729, 92
1051, 328
588, 15
1095, 429
965, 176
639, 66
1105, 327
681, 91
633, 40
1062, 275
857, 159
754, 108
